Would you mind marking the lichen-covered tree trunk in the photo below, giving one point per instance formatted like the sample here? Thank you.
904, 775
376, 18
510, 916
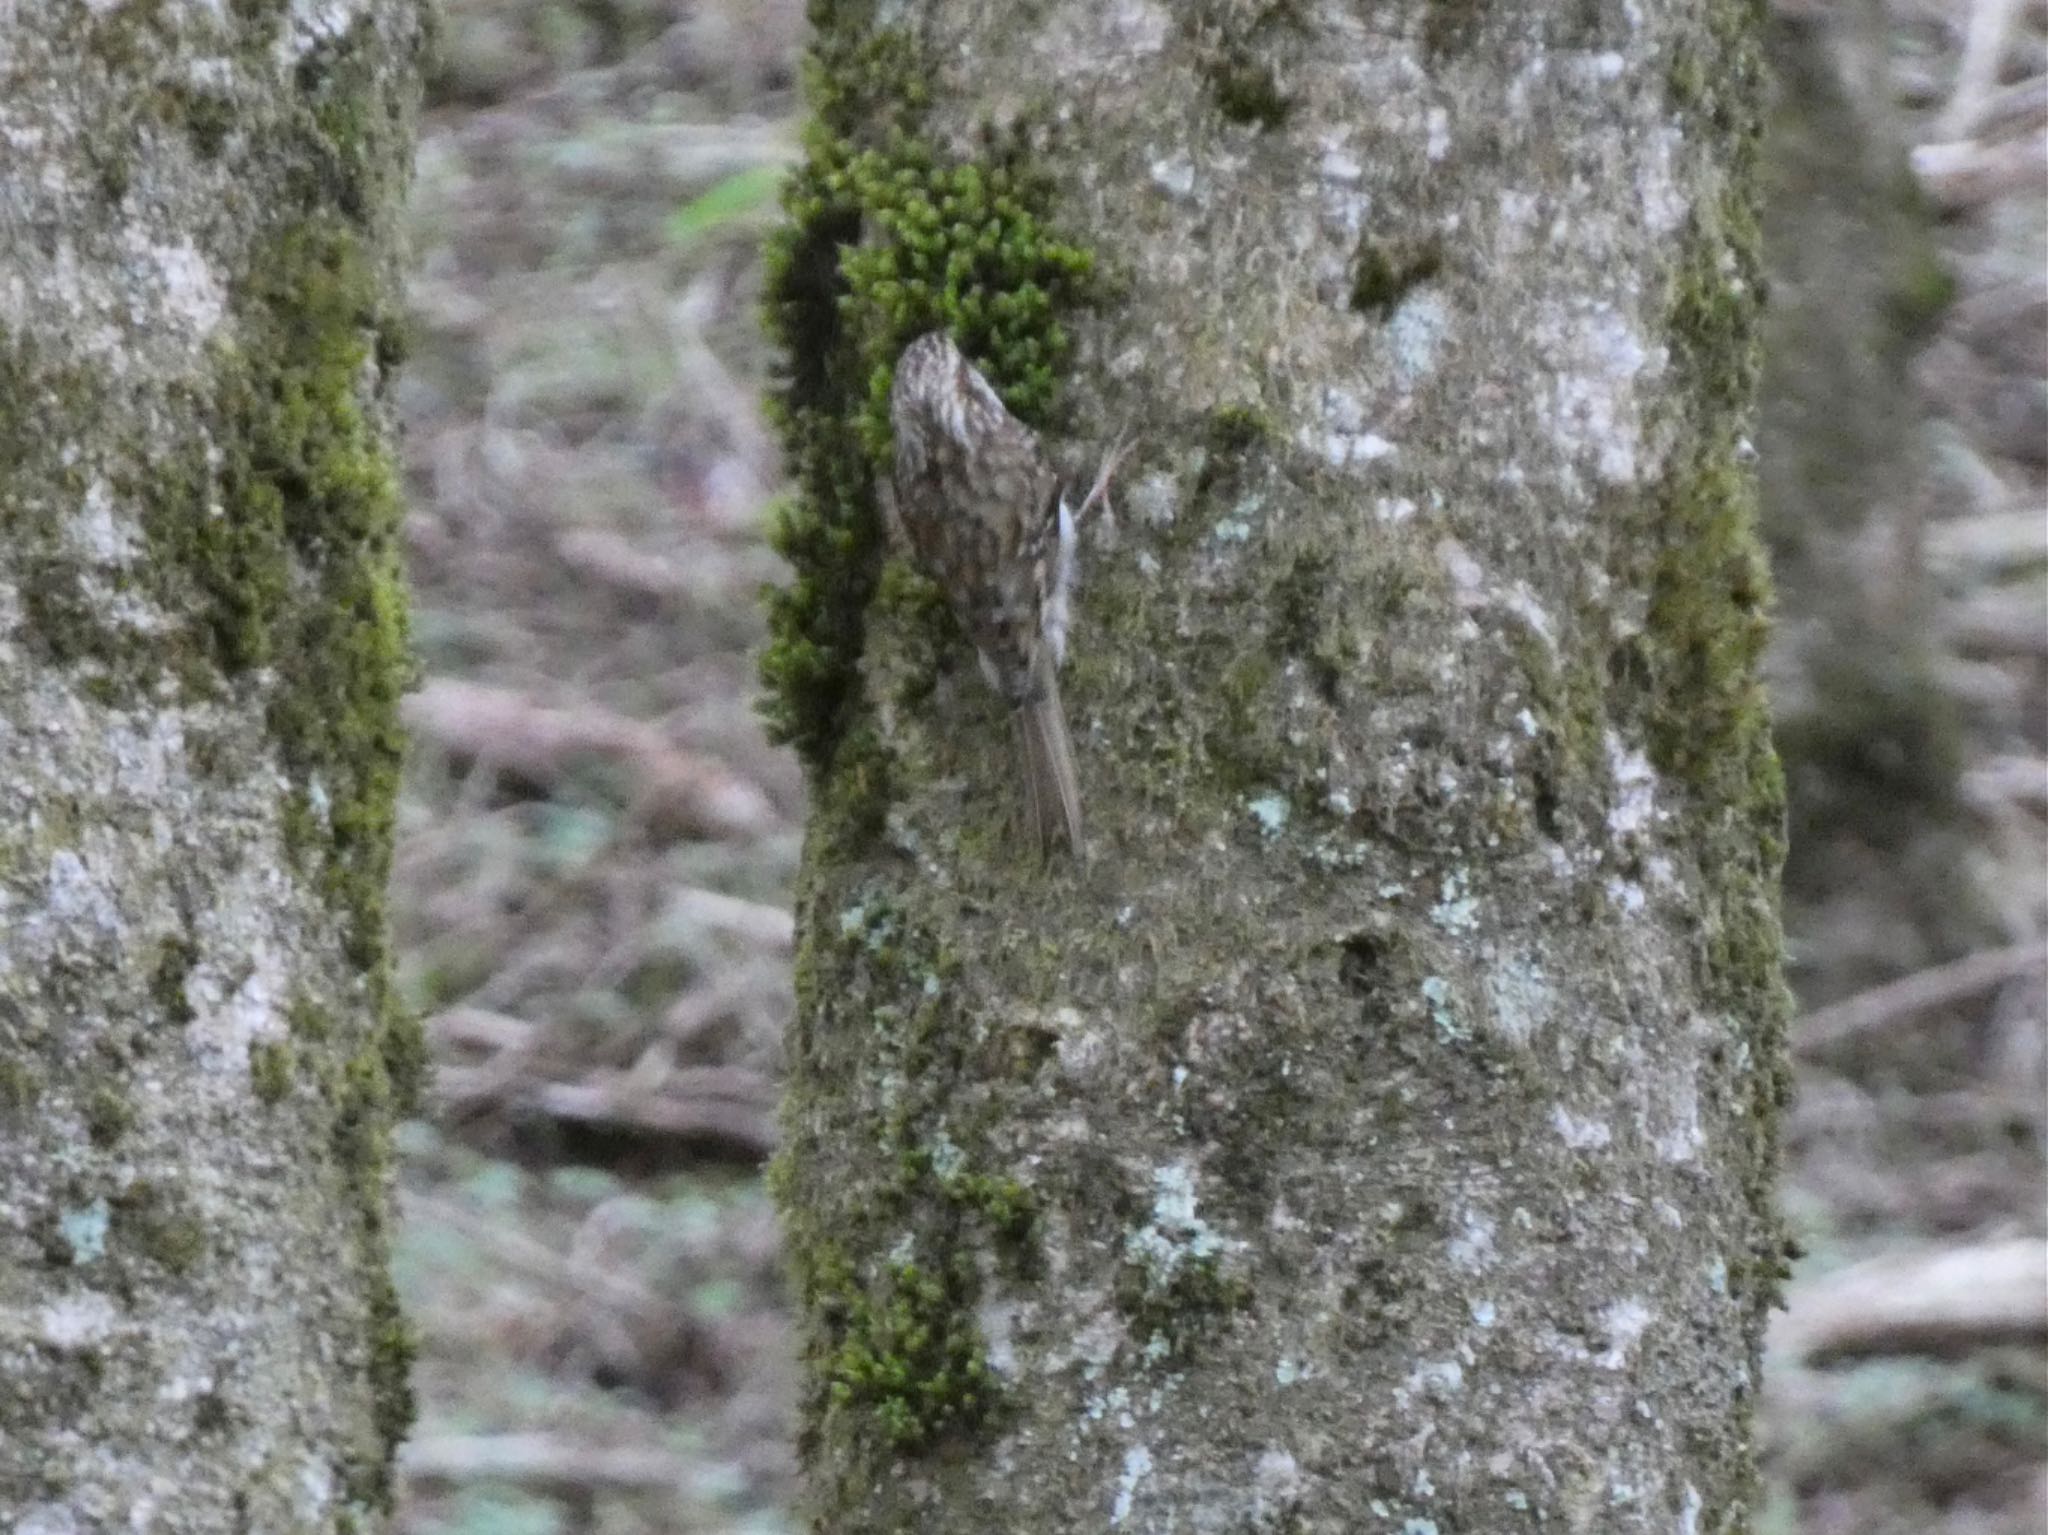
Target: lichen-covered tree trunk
1376, 1131
201, 647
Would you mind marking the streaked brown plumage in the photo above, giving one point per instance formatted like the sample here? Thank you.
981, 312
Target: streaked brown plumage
985, 516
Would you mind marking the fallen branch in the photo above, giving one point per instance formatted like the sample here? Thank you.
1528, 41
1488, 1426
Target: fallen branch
1942, 1303
542, 1462
712, 1103
1900, 1001
753, 923
516, 1253
2010, 780
509, 731
1966, 175
1984, 43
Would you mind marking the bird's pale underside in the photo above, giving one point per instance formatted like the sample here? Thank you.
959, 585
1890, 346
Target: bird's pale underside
985, 516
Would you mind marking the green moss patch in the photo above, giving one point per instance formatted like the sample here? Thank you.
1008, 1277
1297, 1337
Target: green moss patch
886, 239
1382, 273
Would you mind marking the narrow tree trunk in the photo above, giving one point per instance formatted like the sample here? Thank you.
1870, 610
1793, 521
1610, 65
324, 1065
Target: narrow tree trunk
203, 637
1880, 880
1376, 1131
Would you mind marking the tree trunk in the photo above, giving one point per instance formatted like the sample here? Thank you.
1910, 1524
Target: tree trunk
1376, 1131
1880, 880
203, 634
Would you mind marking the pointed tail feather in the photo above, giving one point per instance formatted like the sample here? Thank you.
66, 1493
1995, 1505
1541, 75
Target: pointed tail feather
1052, 792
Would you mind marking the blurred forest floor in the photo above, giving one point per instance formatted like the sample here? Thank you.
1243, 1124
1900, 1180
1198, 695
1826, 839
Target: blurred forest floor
598, 844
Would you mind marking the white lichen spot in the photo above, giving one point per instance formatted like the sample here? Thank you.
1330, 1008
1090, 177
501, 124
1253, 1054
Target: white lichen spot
1096, 1343
1341, 450
1526, 723
1419, 1527
1276, 1485
1635, 789
1623, 1323
1456, 911
74, 898
1436, 991
1155, 500
1137, 1462
254, 1009
1271, 812
1519, 1000
1394, 510
948, 1160
1174, 174
83, 1319
316, 1487
1522, 603
1287, 1372
1580, 1134
1431, 1379
1343, 411
1717, 1276
1138, 28
1514, 222
1472, 1248
1231, 530
192, 295
1437, 124
1689, 1511
1607, 66
1415, 332
1628, 897
94, 533
1658, 189
86, 1231
1468, 579
1484, 1313
1594, 404
998, 1322
1340, 165
319, 22
1079, 1049
1176, 1234
1681, 1139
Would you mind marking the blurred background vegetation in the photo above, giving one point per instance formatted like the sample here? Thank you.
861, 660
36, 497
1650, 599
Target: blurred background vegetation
598, 843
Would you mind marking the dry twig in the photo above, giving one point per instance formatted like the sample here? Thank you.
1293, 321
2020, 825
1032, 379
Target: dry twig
1943, 1303
1902, 1000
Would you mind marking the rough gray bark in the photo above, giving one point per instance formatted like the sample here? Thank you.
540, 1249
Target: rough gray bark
1376, 1132
201, 647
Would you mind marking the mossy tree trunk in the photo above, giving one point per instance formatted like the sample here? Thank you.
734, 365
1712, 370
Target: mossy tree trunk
202, 628
1376, 1132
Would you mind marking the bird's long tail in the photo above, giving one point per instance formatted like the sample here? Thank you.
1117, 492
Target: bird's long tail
1052, 793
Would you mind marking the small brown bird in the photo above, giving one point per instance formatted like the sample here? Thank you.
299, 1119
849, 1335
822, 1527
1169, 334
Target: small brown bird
987, 518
